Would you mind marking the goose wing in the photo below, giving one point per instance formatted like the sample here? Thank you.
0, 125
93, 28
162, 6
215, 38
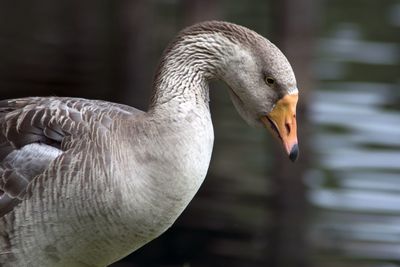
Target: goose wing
35, 131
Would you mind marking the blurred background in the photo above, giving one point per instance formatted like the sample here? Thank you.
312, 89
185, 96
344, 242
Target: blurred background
338, 206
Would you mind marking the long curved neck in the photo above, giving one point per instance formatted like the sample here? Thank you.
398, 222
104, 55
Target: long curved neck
186, 67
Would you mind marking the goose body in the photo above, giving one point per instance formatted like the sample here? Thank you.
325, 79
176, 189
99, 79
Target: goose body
86, 182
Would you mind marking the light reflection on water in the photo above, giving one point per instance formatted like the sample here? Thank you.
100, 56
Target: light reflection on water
355, 187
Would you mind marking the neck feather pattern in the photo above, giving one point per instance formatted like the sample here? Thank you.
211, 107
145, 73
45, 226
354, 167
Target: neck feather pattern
187, 65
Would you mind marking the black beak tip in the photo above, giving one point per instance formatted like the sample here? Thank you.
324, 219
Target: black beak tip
294, 153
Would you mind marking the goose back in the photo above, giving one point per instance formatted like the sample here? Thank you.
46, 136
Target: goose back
39, 137
35, 131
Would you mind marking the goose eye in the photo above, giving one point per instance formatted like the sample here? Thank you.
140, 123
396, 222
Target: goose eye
270, 81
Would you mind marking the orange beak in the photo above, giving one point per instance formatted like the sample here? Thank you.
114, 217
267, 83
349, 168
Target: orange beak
281, 121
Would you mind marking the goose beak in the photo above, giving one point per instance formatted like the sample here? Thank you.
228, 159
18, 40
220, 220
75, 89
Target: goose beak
281, 121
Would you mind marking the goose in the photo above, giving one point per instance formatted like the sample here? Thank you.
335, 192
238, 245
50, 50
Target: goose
87, 182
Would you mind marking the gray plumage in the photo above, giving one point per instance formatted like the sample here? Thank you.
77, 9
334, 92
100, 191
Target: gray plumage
86, 182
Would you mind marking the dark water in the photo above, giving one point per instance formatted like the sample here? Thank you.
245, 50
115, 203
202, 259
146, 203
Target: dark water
355, 186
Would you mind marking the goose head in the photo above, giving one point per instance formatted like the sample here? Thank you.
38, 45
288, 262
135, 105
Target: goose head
262, 86
261, 81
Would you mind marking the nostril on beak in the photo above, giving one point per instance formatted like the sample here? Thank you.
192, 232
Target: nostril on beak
287, 125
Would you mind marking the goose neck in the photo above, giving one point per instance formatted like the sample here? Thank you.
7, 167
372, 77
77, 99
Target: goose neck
185, 69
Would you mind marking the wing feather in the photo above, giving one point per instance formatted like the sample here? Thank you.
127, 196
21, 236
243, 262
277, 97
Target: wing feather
35, 131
